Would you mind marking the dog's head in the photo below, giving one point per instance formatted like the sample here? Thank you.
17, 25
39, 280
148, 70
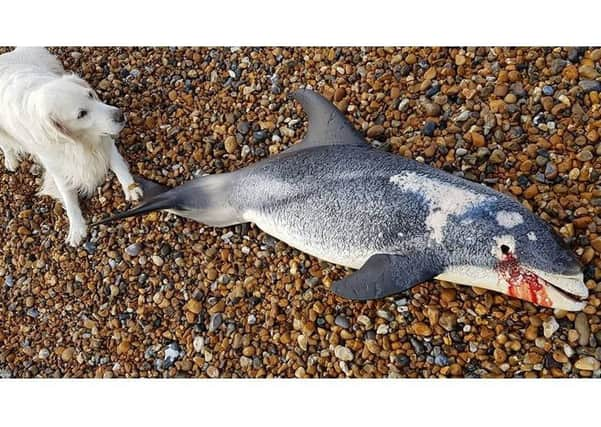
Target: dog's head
71, 108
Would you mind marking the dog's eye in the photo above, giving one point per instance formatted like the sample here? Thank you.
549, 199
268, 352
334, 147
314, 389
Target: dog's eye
82, 114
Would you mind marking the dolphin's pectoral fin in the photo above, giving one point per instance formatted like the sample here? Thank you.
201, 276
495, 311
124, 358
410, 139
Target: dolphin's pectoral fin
327, 125
386, 274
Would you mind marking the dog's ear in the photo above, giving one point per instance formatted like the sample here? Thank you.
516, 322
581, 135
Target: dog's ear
60, 127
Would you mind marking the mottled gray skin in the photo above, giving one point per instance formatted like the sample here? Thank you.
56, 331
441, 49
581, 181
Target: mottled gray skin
332, 196
341, 198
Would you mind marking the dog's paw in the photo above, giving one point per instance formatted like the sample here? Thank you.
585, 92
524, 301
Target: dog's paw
76, 234
133, 193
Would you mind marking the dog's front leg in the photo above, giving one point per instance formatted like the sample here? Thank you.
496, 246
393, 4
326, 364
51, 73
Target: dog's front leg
77, 223
119, 166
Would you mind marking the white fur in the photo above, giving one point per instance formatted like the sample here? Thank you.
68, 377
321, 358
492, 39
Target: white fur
41, 115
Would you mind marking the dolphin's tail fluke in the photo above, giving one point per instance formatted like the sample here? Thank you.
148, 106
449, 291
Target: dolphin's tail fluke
205, 199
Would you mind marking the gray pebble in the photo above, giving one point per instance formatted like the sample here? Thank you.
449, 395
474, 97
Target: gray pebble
9, 281
590, 85
341, 321
548, 90
441, 360
89, 247
557, 65
172, 353
133, 250
215, 322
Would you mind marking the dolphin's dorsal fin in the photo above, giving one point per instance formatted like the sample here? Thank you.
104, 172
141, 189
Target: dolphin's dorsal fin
327, 125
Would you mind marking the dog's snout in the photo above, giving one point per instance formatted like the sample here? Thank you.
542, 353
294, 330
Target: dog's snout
118, 116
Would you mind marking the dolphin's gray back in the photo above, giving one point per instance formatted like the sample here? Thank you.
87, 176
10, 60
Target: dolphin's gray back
337, 202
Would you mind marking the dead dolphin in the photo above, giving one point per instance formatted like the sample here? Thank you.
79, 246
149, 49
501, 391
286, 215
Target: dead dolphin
398, 221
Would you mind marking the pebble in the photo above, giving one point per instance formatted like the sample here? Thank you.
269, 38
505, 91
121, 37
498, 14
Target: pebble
441, 360
550, 326
497, 156
89, 247
448, 321
342, 322
383, 329
590, 85
429, 128
584, 156
212, 372
230, 144
364, 320
582, 326
343, 353
198, 344
432, 109
133, 249
172, 353
157, 260
420, 328
587, 364
9, 281
67, 354
215, 322
375, 131
194, 306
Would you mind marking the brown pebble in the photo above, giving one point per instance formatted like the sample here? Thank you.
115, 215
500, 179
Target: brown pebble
230, 144
339, 94
67, 354
531, 191
375, 131
420, 328
194, 306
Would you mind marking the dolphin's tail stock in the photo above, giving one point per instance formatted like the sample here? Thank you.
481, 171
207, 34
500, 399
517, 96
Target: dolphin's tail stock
205, 199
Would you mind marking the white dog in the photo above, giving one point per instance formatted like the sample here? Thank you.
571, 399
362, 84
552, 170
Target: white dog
58, 119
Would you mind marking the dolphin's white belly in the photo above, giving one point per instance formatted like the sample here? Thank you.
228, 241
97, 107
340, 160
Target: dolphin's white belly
353, 257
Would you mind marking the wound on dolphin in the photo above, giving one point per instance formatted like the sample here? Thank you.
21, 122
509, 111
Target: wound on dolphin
398, 221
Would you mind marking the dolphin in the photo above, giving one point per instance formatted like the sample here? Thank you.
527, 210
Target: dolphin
398, 221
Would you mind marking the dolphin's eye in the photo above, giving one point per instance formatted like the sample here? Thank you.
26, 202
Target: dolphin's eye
90, 95
505, 249
82, 114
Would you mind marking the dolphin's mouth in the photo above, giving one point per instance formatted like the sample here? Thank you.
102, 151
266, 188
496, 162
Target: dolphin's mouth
542, 288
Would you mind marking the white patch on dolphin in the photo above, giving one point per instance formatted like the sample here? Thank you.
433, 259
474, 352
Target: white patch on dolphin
444, 199
532, 236
509, 219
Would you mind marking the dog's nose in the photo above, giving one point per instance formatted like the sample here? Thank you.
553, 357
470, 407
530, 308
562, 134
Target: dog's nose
118, 116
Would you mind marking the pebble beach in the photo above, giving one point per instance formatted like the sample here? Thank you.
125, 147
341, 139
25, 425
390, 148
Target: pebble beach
162, 296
